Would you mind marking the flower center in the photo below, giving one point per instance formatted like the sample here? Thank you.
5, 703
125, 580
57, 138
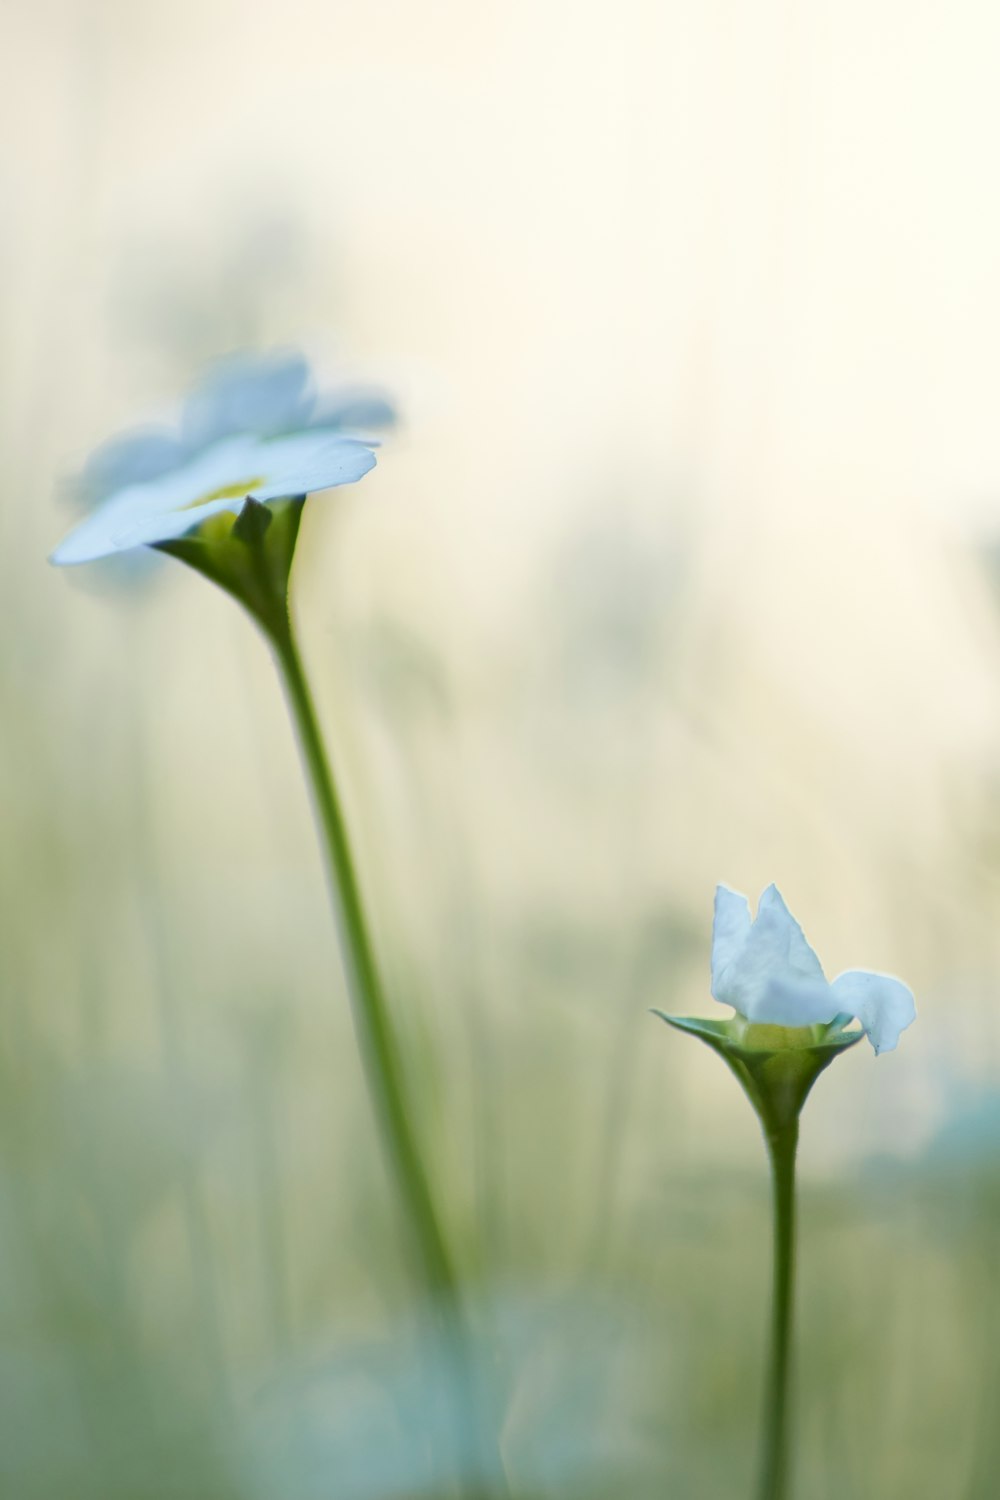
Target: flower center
227, 491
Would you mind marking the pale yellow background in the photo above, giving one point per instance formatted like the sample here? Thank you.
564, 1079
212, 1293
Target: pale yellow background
675, 572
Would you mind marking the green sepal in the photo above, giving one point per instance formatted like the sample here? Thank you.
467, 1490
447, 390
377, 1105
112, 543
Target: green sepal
249, 555
776, 1065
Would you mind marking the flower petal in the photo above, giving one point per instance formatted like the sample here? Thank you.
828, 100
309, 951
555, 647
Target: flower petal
883, 1005
799, 1002
730, 930
356, 411
782, 933
249, 393
760, 970
133, 458
171, 505
168, 525
107, 529
310, 461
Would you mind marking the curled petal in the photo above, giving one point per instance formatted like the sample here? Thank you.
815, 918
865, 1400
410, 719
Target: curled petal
730, 930
883, 1005
749, 960
768, 973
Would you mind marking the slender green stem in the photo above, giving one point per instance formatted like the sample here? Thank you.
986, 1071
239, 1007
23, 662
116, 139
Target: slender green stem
375, 1035
382, 1062
774, 1472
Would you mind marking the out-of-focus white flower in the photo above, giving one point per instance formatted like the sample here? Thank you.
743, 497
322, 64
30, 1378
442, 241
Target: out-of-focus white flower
764, 968
253, 429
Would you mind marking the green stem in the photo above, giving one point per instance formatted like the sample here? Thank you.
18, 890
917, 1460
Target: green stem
774, 1474
376, 1040
382, 1062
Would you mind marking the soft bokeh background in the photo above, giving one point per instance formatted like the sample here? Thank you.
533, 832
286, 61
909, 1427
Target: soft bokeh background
679, 569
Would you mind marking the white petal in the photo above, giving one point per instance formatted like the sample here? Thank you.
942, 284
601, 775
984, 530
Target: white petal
309, 462
171, 524
249, 393
133, 458
802, 1002
784, 935
883, 1005
730, 929
135, 509
354, 411
769, 966
169, 506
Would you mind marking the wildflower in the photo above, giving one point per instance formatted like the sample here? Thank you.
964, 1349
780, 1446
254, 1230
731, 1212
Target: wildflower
767, 972
790, 1024
254, 429
224, 494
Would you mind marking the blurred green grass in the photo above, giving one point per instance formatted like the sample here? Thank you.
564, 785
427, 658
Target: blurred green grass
562, 709
201, 1290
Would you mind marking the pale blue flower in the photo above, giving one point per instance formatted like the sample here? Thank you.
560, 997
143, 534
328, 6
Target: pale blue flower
765, 969
245, 394
253, 428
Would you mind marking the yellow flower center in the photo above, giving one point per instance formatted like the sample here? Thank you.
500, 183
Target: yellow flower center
228, 491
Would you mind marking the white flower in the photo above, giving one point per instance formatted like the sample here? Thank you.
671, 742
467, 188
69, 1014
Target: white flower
252, 429
767, 972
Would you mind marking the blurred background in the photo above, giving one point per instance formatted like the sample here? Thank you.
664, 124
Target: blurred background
680, 568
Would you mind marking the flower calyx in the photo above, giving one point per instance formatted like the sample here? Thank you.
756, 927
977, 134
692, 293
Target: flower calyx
775, 1065
249, 555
